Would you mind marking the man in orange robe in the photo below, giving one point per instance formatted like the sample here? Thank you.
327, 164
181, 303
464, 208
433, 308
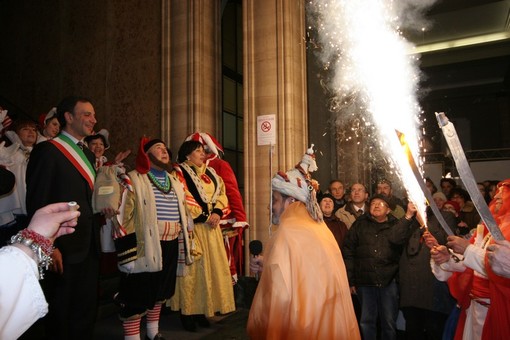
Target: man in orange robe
303, 292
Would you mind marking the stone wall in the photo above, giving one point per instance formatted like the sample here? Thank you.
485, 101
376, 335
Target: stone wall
109, 51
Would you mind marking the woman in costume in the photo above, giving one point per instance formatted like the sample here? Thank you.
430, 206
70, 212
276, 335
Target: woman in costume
49, 125
208, 287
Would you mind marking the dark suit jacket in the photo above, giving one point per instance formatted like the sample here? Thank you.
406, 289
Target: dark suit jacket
7, 181
52, 178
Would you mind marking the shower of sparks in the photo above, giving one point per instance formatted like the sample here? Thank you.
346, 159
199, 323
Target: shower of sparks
372, 77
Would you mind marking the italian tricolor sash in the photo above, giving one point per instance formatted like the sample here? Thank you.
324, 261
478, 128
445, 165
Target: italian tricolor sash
76, 156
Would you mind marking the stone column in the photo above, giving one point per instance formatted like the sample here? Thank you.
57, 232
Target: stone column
191, 73
274, 68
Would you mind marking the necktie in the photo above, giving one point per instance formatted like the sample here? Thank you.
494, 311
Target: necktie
80, 145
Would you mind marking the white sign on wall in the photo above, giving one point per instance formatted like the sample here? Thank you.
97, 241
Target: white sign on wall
266, 130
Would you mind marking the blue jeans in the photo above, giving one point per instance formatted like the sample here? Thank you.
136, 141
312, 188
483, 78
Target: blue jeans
382, 303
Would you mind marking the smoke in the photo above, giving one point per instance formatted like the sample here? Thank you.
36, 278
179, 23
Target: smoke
411, 14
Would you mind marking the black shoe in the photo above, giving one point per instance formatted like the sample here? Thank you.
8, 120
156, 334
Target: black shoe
202, 320
117, 301
188, 323
156, 337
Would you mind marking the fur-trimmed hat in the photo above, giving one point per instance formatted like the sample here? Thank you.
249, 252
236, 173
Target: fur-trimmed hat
207, 141
297, 183
142, 162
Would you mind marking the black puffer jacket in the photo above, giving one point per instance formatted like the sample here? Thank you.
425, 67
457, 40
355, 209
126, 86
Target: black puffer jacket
372, 250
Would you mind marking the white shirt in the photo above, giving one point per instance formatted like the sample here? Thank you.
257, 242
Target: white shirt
22, 300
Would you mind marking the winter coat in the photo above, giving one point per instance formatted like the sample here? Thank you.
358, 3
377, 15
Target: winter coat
372, 249
419, 288
347, 213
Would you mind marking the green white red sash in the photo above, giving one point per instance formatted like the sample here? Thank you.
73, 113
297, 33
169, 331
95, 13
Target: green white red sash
76, 156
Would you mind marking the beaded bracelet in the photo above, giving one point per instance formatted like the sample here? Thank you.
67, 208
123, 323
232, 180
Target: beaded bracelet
41, 246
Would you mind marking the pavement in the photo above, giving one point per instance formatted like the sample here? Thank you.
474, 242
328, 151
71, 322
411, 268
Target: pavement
231, 326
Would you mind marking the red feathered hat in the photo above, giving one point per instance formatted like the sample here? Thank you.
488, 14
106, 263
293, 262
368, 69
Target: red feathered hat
142, 162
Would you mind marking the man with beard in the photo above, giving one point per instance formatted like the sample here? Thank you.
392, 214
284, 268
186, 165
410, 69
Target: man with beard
477, 282
497, 263
155, 248
302, 294
385, 188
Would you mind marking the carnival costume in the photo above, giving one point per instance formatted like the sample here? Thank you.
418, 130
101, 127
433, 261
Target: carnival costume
302, 294
480, 293
208, 287
233, 224
155, 247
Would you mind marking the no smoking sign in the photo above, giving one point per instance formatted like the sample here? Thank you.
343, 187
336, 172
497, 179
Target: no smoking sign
265, 126
266, 130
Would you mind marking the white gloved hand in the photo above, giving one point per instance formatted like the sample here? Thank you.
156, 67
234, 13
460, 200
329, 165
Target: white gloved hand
127, 268
6, 154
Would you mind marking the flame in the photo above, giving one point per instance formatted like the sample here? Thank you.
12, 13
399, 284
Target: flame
418, 197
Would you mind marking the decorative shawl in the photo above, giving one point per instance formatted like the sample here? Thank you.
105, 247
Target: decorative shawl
198, 182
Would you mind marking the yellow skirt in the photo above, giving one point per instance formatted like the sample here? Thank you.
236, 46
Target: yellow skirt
207, 288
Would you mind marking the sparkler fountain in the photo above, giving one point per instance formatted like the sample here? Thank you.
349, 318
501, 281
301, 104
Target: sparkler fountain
374, 75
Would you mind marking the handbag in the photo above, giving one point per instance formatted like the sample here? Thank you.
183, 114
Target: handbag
106, 189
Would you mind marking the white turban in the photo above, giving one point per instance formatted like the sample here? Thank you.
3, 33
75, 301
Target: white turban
297, 183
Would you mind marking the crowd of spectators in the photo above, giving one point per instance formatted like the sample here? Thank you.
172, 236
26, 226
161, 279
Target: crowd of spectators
394, 260
388, 263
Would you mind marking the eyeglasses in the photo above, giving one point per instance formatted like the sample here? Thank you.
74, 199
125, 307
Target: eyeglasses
378, 204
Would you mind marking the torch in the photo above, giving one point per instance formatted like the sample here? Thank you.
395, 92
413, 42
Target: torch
423, 187
466, 175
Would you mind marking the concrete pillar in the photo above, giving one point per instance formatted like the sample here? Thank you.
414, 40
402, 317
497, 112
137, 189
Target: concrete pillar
191, 68
274, 83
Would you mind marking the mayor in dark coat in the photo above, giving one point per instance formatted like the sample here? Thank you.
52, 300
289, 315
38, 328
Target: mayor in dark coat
60, 170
